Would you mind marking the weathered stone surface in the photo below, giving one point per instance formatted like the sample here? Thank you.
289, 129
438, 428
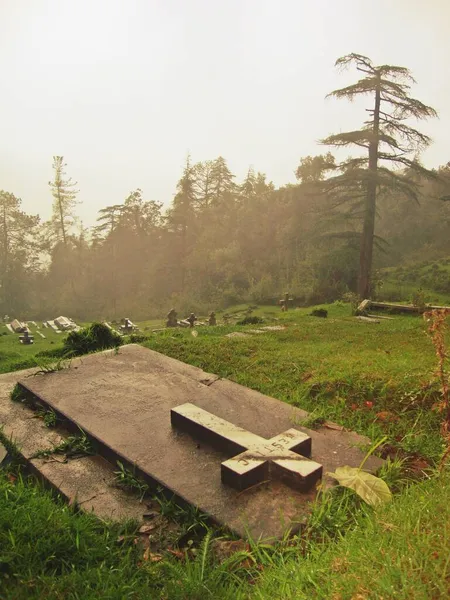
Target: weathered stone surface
368, 319
253, 459
18, 327
237, 334
124, 401
87, 481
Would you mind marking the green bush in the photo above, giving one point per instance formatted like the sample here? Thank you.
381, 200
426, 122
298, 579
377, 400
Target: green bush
93, 338
250, 321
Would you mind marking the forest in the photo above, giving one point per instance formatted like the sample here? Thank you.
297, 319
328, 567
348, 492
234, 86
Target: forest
220, 241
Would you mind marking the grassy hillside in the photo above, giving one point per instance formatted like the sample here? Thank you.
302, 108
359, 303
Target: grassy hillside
404, 282
377, 379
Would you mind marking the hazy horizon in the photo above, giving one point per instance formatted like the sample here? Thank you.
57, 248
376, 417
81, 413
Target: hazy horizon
125, 89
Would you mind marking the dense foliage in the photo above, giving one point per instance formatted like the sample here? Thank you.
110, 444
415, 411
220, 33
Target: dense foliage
92, 338
221, 241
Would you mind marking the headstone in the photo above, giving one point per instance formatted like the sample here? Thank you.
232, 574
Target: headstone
18, 326
285, 302
172, 318
64, 324
127, 326
26, 338
188, 322
228, 450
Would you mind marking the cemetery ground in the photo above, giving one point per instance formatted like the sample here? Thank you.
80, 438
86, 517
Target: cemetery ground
374, 378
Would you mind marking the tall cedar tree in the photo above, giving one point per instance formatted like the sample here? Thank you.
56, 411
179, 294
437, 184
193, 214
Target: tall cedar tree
64, 199
388, 138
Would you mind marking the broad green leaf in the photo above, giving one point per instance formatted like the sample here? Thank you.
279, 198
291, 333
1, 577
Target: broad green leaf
371, 489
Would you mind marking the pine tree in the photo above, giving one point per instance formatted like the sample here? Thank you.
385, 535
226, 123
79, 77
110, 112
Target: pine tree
314, 168
222, 186
182, 217
18, 250
203, 184
108, 219
386, 137
64, 200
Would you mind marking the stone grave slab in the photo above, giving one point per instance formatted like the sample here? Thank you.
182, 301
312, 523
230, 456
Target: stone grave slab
237, 455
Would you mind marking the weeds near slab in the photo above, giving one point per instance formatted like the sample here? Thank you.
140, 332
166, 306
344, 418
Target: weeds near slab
188, 516
74, 446
12, 450
46, 368
18, 394
127, 480
314, 420
48, 416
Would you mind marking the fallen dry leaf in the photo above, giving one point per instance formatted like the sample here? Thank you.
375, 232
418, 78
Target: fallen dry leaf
147, 527
177, 553
151, 557
333, 426
386, 416
142, 540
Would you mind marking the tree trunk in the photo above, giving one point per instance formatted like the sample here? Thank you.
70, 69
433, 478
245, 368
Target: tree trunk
5, 255
61, 216
183, 257
366, 250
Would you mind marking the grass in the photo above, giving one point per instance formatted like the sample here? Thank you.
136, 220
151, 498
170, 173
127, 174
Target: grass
73, 446
399, 551
127, 480
15, 356
432, 277
375, 379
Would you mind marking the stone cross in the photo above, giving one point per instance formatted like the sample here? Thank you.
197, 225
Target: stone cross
253, 458
26, 338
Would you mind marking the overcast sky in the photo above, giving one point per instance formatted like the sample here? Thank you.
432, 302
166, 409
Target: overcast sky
124, 89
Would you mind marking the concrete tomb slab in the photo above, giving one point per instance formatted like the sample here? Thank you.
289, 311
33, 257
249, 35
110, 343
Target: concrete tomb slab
236, 454
18, 327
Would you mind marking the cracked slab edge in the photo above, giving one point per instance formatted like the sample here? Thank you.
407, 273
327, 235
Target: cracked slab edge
87, 481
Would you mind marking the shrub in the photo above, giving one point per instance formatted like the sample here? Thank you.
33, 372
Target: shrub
92, 338
250, 321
